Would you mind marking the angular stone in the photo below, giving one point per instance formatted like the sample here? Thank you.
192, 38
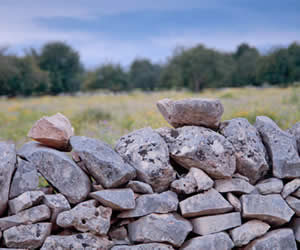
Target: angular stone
295, 225
215, 241
119, 236
294, 203
153, 203
193, 111
53, 131
140, 187
280, 239
163, 228
295, 131
216, 223
25, 200
28, 216
149, 246
27, 236
148, 153
86, 216
290, 187
296, 193
206, 203
234, 185
77, 241
101, 161
117, 199
200, 147
251, 230
8, 161
270, 186
270, 208
234, 201
281, 146
195, 181
59, 170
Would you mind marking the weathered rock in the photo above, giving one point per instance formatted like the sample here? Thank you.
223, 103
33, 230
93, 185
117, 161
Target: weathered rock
77, 241
27, 236
238, 175
290, 187
281, 146
206, 203
280, 239
295, 131
86, 216
54, 131
8, 161
28, 216
295, 225
251, 230
101, 161
149, 246
25, 200
270, 186
166, 228
217, 241
193, 111
200, 147
148, 153
195, 181
270, 208
294, 203
140, 187
234, 201
117, 199
216, 223
59, 170
119, 236
234, 185
153, 203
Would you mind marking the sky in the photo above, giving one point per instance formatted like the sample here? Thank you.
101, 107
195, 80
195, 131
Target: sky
121, 30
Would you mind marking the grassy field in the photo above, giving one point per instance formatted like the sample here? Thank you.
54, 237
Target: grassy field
108, 116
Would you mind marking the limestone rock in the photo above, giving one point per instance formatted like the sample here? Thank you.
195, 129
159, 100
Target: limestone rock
295, 225
216, 223
251, 230
270, 186
234, 201
290, 187
119, 236
200, 147
86, 216
117, 199
295, 131
153, 203
53, 131
234, 185
270, 208
25, 200
140, 187
149, 246
163, 228
281, 146
206, 203
193, 111
101, 161
27, 236
294, 203
148, 153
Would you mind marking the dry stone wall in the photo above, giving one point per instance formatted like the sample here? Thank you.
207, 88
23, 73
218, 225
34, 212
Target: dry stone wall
203, 184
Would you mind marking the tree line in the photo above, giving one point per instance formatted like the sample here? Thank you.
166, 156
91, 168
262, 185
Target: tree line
56, 68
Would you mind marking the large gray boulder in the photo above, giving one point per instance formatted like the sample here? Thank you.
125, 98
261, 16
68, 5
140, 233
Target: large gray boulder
163, 228
269, 186
281, 146
251, 155
8, 161
101, 161
193, 111
148, 246
200, 147
148, 153
295, 131
234, 185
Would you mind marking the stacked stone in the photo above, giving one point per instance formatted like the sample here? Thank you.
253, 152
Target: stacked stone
204, 184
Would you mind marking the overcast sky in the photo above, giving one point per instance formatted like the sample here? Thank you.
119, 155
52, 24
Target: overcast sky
121, 30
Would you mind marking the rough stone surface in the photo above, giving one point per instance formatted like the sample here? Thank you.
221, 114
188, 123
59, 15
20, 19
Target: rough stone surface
234, 185
270, 208
148, 153
270, 186
216, 223
59, 170
140, 187
234, 201
86, 216
101, 161
251, 155
290, 187
296, 193
193, 111
294, 203
163, 228
206, 203
149, 246
117, 199
295, 225
217, 241
200, 147
54, 131
8, 161
295, 131
25, 200
281, 146
153, 203
280, 239
119, 236
251, 230
27, 236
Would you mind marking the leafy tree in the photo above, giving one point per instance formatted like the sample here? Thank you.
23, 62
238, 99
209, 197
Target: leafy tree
294, 56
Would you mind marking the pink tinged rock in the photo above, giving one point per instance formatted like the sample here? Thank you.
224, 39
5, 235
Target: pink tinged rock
234, 201
54, 131
234, 185
290, 187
